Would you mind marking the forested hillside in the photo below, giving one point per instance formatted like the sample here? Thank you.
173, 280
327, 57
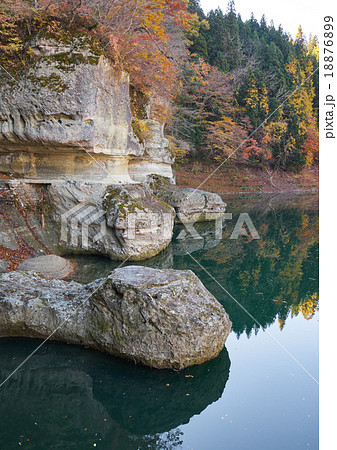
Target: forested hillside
242, 77
223, 86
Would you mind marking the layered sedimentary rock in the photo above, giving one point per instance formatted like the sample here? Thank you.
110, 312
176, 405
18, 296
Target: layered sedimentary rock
24, 228
118, 221
161, 318
69, 117
157, 158
67, 123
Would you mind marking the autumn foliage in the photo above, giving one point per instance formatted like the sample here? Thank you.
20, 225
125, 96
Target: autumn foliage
259, 96
225, 87
132, 33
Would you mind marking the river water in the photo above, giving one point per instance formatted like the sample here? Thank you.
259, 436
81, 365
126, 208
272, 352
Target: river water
260, 393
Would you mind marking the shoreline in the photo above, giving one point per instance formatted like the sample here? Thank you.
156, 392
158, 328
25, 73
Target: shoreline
240, 180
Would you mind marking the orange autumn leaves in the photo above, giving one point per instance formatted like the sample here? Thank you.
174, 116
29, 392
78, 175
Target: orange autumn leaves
133, 33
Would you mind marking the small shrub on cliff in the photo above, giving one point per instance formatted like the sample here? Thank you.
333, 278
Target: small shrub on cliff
141, 129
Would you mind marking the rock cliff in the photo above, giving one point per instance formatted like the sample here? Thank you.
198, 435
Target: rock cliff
69, 117
67, 123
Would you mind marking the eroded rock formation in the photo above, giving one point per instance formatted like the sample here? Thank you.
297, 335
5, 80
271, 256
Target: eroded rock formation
118, 221
160, 318
70, 117
191, 205
67, 124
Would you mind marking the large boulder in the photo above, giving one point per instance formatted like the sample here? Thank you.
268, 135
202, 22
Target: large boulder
191, 205
161, 318
142, 223
118, 221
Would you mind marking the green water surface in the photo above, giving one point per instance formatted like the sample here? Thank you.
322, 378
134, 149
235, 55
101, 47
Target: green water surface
260, 393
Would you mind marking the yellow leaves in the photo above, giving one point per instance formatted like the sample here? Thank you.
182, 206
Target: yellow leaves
291, 68
200, 71
305, 221
193, 26
252, 98
204, 24
177, 152
152, 18
264, 106
308, 306
227, 120
141, 129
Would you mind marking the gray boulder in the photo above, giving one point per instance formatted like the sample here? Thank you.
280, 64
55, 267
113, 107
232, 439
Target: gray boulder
48, 265
118, 221
191, 205
142, 223
34, 306
161, 318
3, 265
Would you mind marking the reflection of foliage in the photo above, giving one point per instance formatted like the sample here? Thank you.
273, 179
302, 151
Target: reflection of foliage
165, 441
307, 307
271, 277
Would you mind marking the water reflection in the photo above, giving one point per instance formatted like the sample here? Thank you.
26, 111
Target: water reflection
69, 397
273, 277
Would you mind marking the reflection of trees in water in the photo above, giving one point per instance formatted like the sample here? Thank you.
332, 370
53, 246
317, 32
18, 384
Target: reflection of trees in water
307, 307
165, 441
271, 277
78, 397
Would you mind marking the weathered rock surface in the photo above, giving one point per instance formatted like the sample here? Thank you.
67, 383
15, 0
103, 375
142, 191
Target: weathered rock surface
70, 116
142, 223
191, 205
3, 265
157, 158
161, 318
24, 229
119, 221
52, 266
